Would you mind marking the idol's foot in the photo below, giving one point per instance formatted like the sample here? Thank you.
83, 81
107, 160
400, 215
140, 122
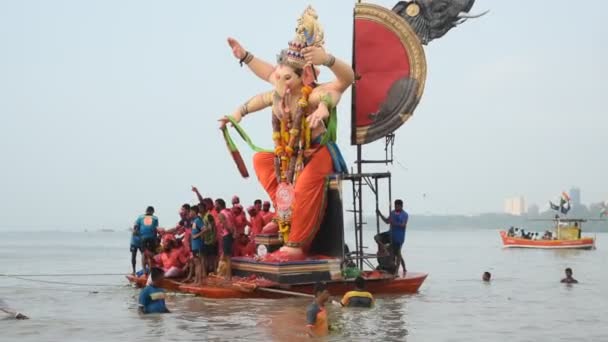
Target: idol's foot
285, 254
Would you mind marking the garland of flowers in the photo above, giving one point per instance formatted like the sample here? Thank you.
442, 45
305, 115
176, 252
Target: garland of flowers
292, 144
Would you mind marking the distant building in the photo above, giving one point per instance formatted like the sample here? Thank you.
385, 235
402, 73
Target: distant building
533, 210
515, 206
575, 197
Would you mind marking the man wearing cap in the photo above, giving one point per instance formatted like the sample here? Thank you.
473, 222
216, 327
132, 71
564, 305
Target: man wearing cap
147, 225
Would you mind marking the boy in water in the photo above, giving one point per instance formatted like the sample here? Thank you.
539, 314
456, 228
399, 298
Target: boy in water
152, 297
316, 314
569, 279
359, 297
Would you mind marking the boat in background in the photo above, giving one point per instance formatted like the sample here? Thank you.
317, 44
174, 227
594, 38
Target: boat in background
566, 235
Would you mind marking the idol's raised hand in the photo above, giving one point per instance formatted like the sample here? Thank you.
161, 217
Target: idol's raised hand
237, 50
315, 55
223, 122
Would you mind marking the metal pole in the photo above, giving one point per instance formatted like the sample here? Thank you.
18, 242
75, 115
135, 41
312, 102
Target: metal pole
360, 213
355, 214
390, 193
377, 207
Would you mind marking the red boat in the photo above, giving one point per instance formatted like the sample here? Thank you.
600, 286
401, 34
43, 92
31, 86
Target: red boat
215, 287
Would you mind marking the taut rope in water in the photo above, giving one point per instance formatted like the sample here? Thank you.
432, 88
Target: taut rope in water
62, 275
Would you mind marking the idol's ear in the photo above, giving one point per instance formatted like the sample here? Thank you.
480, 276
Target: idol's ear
309, 74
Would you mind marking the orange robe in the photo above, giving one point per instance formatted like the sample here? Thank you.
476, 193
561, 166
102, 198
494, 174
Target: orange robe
309, 193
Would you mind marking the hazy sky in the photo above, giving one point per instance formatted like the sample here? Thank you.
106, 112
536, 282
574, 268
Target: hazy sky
109, 106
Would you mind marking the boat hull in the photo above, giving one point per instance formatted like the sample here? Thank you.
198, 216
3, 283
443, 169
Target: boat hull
216, 288
514, 242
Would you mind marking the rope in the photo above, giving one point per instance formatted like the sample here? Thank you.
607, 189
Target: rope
52, 289
59, 282
62, 275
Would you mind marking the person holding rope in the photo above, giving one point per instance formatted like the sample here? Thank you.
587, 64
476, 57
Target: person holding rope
397, 221
152, 297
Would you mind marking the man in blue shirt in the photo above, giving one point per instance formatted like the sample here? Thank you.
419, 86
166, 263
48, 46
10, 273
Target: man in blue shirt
135, 246
148, 225
152, 297
398, 224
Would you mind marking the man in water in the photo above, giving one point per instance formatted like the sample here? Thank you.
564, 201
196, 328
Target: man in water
148, 225
358, 297
316, 314
569, 279
6, 309
397, 220
152, 297
486, 277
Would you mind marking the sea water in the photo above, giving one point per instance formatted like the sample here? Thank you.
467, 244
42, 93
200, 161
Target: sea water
524, 301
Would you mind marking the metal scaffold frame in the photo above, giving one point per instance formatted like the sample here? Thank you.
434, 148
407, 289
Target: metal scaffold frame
371, 180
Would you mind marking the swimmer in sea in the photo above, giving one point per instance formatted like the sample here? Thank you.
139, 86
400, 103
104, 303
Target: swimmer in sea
486, 277
569, 279
6, 309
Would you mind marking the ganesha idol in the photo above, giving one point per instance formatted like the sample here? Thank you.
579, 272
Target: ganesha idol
304, 123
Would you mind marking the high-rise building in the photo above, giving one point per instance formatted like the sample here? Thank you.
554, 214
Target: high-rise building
575, 196
515, 206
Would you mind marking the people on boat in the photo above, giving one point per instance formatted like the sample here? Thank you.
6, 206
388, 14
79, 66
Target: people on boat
240, 220
147, 226
304, 121
386, 256
212, 239
197, 247
316, 314
172, 260
397, 221
227, 230
267, 215
243, 246
256, 222
569, 279
135, 246
358, 297
511, 232
258, 205
209, 240
152, 297
487, 276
